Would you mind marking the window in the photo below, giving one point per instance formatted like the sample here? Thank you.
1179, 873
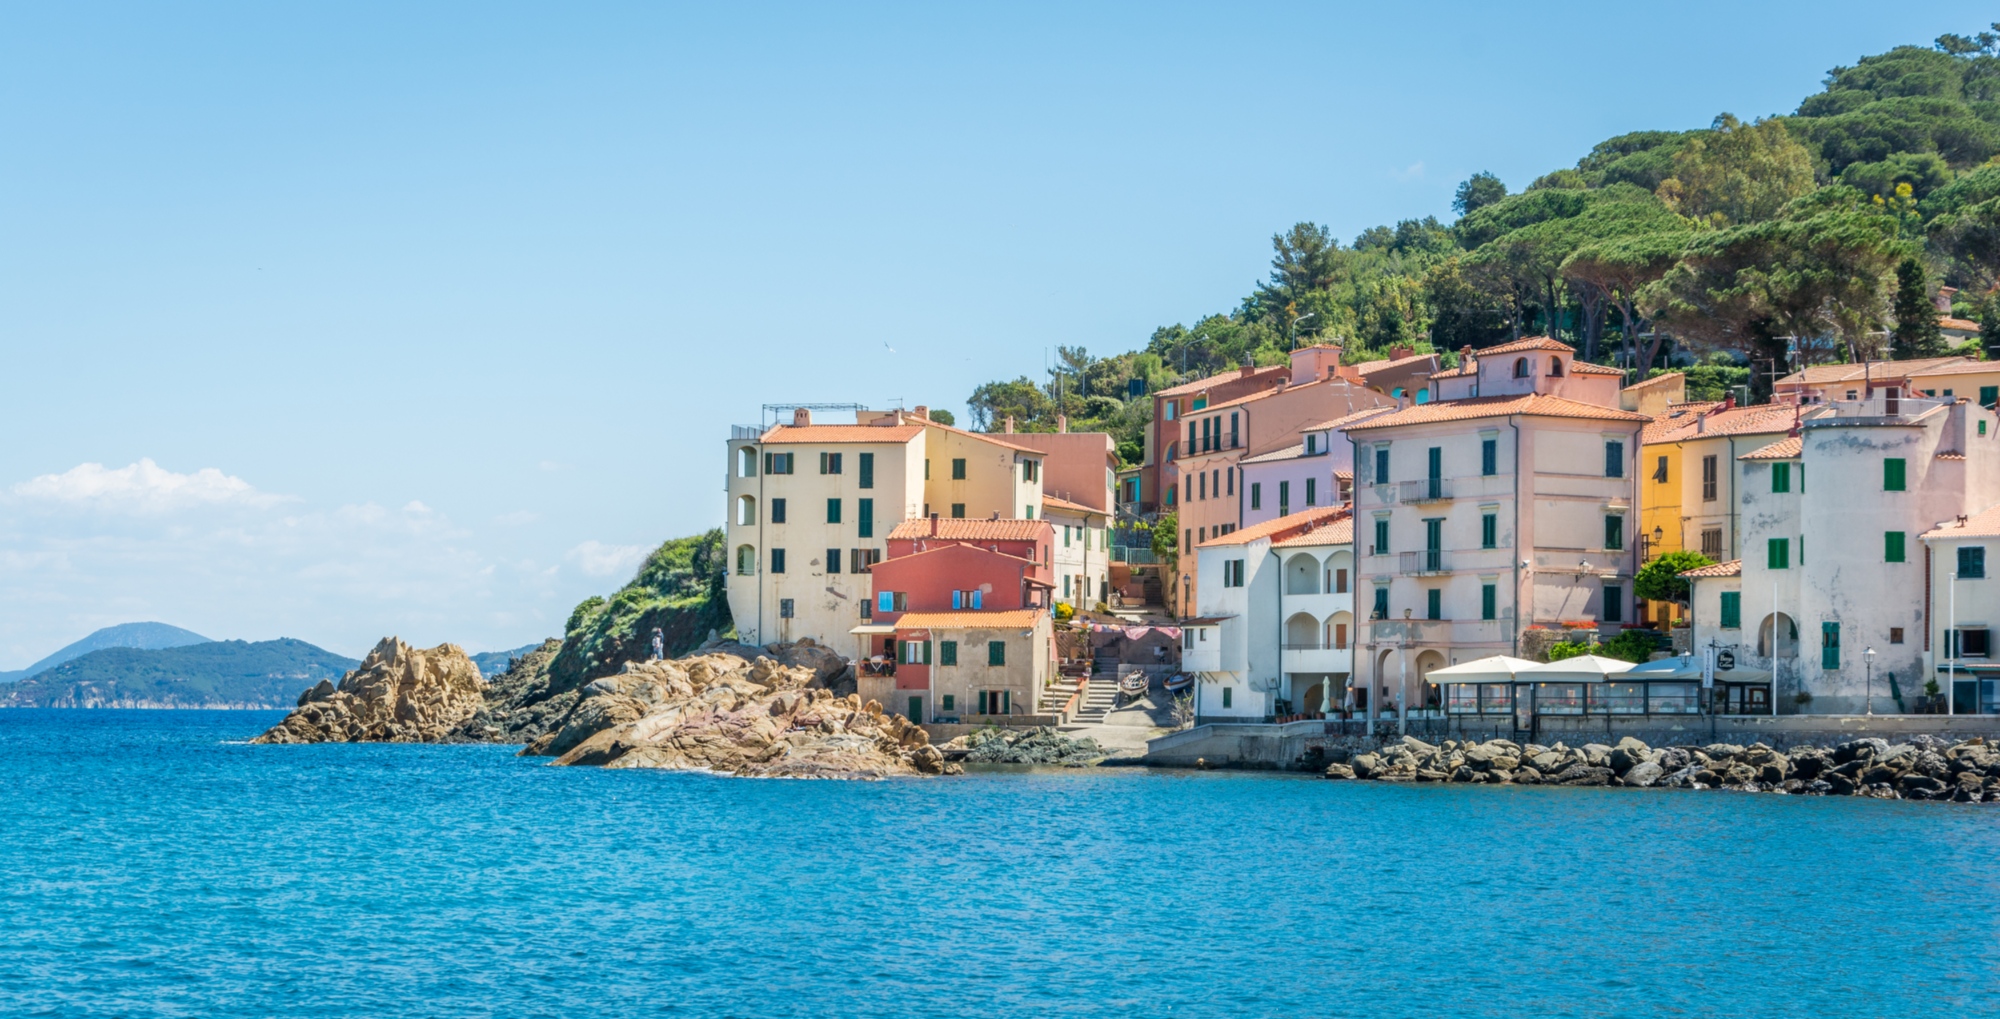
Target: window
1614, 459
865, 462
1614, 533
958, 468
1973, 643
1170, 410
1489, 457
996, 652
1892, 546
1201, 534
1284, 498
863, 560
1225, 695
777, 560
1187, 539
746, 510
1777, 554
1555, 367
1382, 536
1201, 487
958, 511
1614, 603
1489, 530
972, 598
947, 655
1972, 562
1434, 603
778, 463
833, 511
950, 702
864, 518
1312, 491
1434, 463
746, 462
1489, 595
1381, 465
1781, 477
1031, 470
1232, 573
1708, 479
1231, 475
1027, 513
1188, 480
1895, 635
1340, 581
1381, 609
777, 511
1340, 636
1829, 645
1256, 495
927, 471
1233, 443
833, 560
1893, 471
1989, 396
1522, 369
784, 608
1660, 470
913, 652
1711, 542
829, 463
1732, 610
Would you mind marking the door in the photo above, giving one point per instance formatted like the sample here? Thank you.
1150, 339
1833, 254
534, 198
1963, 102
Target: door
916, 709
1524, 706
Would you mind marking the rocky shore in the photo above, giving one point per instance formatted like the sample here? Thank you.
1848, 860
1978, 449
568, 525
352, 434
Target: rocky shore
1925, 768
400, 694
1041, 745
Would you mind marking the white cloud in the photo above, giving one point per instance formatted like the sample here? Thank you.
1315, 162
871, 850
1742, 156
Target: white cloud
143, 487
1411, 172
597, 559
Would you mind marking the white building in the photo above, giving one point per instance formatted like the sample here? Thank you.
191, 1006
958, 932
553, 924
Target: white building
1082, 552
1965, 610
1836, 527
1273, 633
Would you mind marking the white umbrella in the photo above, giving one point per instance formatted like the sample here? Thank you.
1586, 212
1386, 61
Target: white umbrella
1581, 669
1493, 669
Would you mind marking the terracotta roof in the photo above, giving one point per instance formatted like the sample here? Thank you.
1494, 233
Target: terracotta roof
1783, 449
1968, 368
1587, 368
986, 436
1339, 532
1964, 325
1218, 378
1951, 456
1349, 475
963, 529
1532, 404
1667, 427
1689, 426
1828, 374
1732, 568
1370, 367
939, 545
1282, 527
1348, 419
1656, 380
842, 433
1051, 502
1985, 524
1526, 343
1248, 397
1293, 451
1004, 619
1464, 368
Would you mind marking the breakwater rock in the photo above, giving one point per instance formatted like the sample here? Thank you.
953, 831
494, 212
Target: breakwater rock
399, 694
1925, 768
765, 712
1042, 745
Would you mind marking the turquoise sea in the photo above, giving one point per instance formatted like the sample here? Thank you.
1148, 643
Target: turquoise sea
154, 865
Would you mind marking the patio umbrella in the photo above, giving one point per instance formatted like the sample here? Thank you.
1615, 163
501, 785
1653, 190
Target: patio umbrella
1493, 669
1581, 669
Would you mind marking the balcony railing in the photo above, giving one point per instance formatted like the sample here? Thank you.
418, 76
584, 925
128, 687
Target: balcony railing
1432, 490
1133, 554
1422, 564
1323, 645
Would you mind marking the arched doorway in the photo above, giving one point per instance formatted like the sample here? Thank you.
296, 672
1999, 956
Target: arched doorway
1422, 693
1788, 636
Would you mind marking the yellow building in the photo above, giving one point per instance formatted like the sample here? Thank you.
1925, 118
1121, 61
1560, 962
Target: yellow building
1687, 497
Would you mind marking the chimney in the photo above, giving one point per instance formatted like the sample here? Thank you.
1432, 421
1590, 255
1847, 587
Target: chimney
1062, 422
923, 413
1399, 353
1465, 358
1246, 371
1008, 426
934, 520
1728, 402
1943, 300
996, 514
801, 417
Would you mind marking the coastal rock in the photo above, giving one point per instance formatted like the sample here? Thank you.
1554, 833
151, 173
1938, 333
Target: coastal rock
1042, 745
399, 695
1642, 774
1339, 771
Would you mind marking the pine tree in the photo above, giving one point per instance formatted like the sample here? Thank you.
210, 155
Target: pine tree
1916, 332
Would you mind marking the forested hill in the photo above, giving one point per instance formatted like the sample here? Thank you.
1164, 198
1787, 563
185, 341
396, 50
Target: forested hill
222, 674
1832, 224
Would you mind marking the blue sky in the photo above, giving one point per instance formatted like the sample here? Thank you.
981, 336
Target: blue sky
339, 320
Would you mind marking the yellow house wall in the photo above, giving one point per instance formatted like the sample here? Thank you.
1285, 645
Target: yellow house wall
993, 480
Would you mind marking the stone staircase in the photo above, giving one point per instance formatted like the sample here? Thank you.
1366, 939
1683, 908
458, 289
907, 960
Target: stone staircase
1098, 700
1055, 696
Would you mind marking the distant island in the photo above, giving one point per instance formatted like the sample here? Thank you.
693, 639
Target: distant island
151, 636
216, 674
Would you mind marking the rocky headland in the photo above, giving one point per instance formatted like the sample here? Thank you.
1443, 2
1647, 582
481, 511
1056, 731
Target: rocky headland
1925, 768
399, 694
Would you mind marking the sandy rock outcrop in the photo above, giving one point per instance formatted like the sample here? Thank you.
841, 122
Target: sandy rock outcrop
400, 694
767, 715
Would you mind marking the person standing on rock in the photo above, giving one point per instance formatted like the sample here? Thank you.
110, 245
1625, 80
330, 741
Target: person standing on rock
659, 644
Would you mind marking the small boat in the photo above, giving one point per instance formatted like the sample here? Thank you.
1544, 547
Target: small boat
1132, 686
1178, 682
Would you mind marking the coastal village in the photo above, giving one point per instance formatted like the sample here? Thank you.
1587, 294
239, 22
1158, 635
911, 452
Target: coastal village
1400, 547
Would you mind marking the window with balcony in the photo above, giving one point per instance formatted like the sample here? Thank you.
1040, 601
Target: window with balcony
1380, 609
746, 510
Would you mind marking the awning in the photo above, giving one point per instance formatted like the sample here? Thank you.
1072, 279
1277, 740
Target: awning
873, 628
1687, 669
1492, 669
1580, 669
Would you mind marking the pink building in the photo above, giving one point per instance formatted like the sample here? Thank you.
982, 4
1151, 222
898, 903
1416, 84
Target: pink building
1316, 471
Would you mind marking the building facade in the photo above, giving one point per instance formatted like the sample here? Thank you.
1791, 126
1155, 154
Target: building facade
1272, 635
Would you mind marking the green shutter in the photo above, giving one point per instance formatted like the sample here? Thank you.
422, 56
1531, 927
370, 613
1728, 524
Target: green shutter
1489, 530
1487, 596
1892, 546
947, 652
1614, 603
996, 652
1732, 610
864, 518
1614, 533
1781, 477
1988, 396
1893, 474
1434, 604
1829, 645
1777, 555
867, 467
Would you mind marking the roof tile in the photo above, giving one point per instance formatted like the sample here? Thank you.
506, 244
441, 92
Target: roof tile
961, 529
1732, 568
1005, 619
1985, 524
842, 433
1283, 527
1783, 449
1532, 405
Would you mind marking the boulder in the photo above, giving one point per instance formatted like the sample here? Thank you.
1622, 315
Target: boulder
1340, 771
1597, 755
1917, 786
399, 694
1642, 774
1584, 774
1627, 753
1860, 749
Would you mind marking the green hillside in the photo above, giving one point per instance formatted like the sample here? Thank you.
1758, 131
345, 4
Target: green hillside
223, 674
1832, 224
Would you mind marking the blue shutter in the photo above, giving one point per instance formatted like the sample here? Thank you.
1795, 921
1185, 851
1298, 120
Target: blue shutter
976, 599
885, 601
955, 597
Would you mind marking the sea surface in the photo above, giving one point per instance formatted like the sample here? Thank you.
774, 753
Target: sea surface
156, 865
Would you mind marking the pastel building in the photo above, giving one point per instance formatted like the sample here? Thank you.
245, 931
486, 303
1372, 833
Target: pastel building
1316, 471
1272, 635
1082, 552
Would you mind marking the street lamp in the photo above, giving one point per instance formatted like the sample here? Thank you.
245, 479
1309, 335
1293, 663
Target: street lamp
1868, 655
1295, 327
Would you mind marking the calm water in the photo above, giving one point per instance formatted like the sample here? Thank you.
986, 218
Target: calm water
155, 866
